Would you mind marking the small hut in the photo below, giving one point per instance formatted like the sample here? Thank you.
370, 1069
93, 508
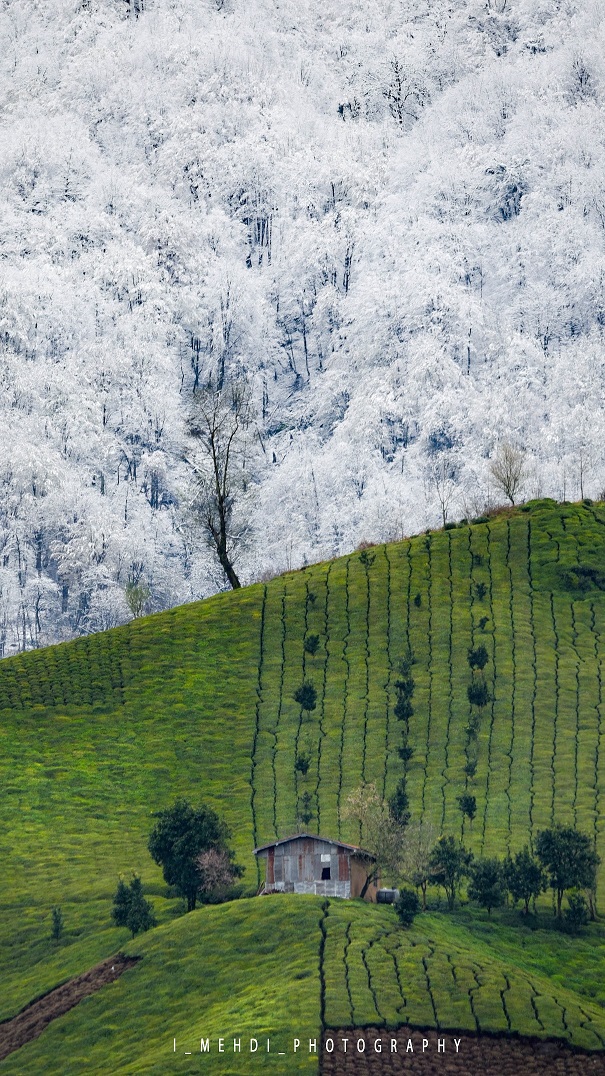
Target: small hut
307, 864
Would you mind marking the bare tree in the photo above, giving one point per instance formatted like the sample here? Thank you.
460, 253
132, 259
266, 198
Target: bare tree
509, 469
216, 873
406, 95
443, 477
585, 462
381, 833
420, 839
218, 426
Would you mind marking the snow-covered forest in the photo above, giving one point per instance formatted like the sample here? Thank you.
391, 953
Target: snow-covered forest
386, 217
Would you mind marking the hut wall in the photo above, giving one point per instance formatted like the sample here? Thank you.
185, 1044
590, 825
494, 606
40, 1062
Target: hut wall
301, 866
358, 878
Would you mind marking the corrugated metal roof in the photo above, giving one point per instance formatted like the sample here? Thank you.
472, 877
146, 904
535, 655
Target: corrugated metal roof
315, 837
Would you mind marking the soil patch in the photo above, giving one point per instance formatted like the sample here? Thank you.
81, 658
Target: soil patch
32, 1020
476, 1055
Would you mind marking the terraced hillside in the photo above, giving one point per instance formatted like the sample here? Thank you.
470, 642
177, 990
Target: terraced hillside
99, 733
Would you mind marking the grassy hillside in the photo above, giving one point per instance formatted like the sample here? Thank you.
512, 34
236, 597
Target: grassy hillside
351, 963
99, 733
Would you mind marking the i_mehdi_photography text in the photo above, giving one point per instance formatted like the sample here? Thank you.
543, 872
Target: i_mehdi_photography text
355, 1043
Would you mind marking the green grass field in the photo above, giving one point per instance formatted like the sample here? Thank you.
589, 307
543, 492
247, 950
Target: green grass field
98, 734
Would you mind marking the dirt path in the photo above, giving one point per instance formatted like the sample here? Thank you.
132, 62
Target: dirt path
477, 1055
33, 1019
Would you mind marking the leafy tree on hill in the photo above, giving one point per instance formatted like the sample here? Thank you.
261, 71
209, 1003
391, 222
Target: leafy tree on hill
131, 909
137, 596
450, 863
569, 858
525, 878
487, 885
181, 834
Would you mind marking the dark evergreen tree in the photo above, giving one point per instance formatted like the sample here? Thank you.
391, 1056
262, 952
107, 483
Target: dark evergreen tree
306, 696
140, 912
305, 811
302, 763
478, 694
468, 806
57, 924
405, 752
130, 909
121, 904
399, 803
478, 657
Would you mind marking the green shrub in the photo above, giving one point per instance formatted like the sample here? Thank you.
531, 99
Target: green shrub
57, 924
311, 644
407, 907
576, 913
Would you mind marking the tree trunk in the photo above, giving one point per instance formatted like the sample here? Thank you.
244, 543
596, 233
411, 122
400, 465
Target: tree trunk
369, 878
229, 570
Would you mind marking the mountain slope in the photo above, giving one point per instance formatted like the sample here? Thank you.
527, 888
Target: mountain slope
99, 733
388, 217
